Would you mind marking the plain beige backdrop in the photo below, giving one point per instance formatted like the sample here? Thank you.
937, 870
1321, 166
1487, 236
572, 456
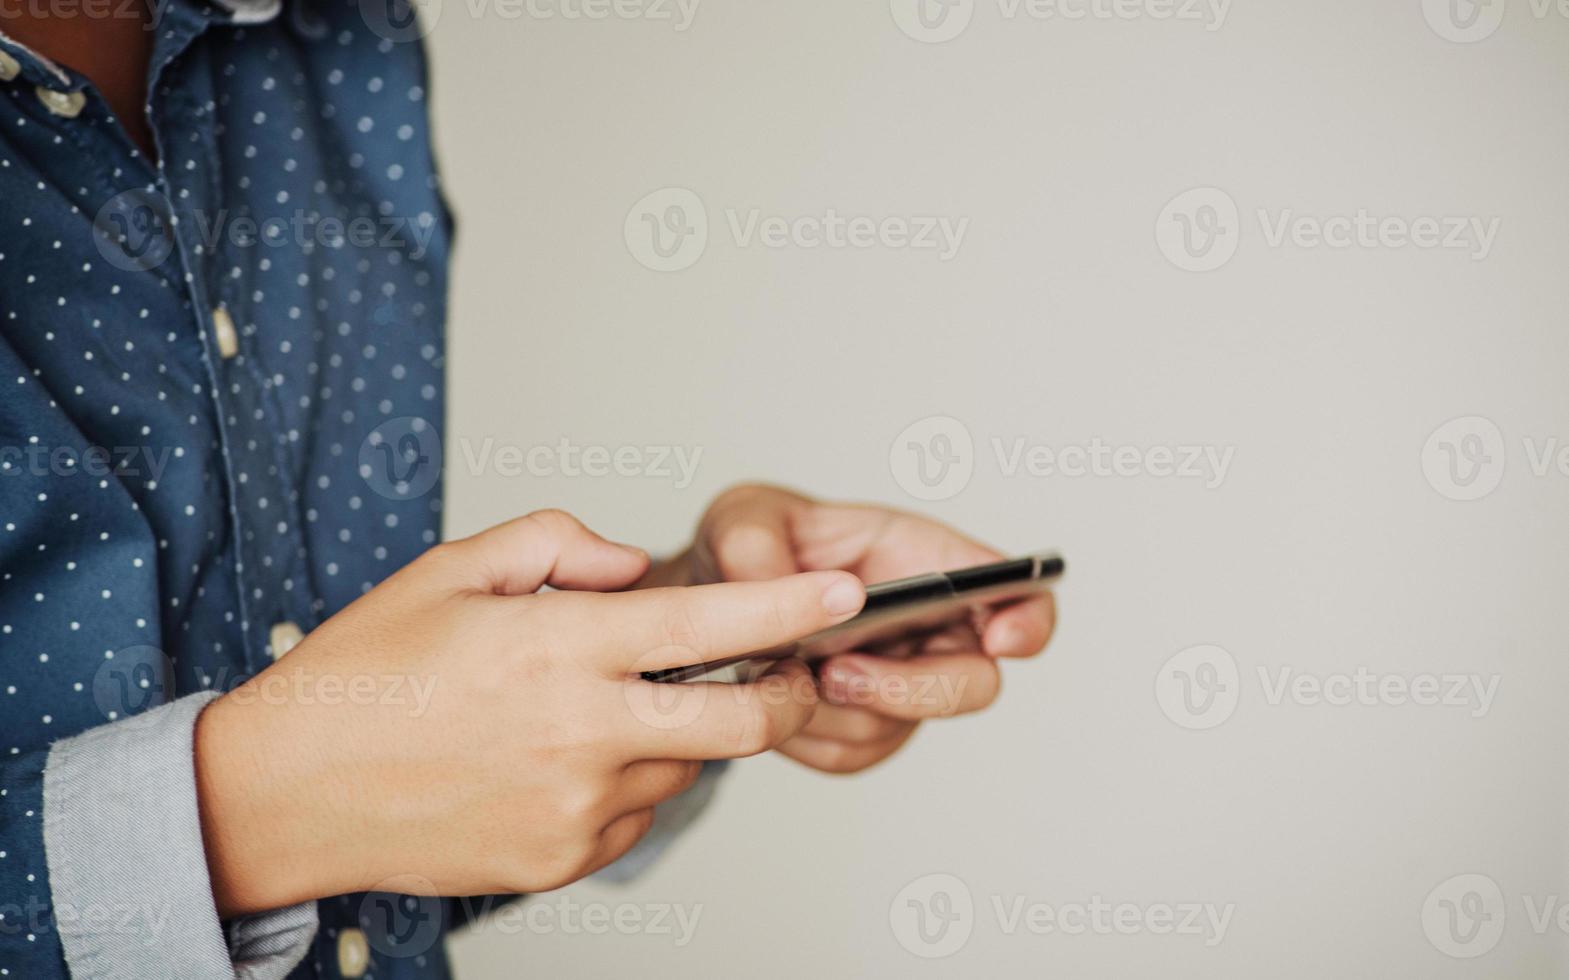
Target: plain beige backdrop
1333, 546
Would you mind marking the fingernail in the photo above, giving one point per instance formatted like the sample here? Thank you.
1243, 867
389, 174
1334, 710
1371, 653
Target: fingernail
633, 549
844, 597
1010, 639
838, 678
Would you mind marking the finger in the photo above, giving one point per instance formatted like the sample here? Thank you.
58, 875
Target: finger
855, 725
547, 547
621, 836
653, 629
649, 782
1022, 629
842, 758
748, 533
929, 686
711, 720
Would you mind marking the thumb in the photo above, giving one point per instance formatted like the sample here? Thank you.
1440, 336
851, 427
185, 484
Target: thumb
549, 547
748, 535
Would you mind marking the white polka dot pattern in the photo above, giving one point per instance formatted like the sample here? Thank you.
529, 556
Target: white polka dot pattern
176, 484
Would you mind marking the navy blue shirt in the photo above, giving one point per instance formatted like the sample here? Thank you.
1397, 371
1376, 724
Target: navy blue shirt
220, 386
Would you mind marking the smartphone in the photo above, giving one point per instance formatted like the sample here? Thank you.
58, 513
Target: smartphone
897, 616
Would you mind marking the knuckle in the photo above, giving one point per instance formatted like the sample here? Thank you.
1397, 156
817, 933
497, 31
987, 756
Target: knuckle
740, 492
688, 777
443, 557
580, 804
865, 726
561, 864
640, 823
985, 686
782, 616
841, 759
553, 519
680, 626
766, 730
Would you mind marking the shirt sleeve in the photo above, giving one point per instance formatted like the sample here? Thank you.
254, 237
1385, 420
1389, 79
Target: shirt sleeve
127, 871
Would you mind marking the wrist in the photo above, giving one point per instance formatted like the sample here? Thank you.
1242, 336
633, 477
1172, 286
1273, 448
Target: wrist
259, 855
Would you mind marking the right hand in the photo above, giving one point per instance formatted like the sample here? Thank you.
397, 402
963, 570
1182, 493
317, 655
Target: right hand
539, 756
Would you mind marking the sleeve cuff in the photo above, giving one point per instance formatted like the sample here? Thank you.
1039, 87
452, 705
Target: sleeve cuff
123, 842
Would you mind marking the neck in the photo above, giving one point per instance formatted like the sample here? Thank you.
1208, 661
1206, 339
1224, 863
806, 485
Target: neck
111, 45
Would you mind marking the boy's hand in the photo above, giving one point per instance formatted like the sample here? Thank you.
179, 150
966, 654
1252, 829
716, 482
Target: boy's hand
537, 756
872, 705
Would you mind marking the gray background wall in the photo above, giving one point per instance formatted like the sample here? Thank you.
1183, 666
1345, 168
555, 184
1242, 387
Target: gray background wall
1070, 315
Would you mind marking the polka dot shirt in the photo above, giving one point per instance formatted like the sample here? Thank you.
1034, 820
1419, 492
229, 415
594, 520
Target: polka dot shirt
218, 376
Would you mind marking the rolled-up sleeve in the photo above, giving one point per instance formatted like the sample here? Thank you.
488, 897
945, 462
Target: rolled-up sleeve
127, 872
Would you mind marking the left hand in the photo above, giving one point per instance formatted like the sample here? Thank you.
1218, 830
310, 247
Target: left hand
871, 705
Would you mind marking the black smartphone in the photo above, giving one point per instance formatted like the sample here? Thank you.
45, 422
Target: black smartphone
897, 616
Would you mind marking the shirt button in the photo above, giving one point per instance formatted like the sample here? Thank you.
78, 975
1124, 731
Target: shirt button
353, 953
284, 637
9, 67
67, 105
228, 338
